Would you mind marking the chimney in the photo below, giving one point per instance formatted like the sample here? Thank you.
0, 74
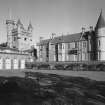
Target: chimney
91, 28
83, 30
53, 34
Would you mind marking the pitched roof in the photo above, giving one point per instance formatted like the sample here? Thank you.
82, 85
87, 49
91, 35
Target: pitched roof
30, 26
100, 22
43, 42
67, 38
63, 39
19, 22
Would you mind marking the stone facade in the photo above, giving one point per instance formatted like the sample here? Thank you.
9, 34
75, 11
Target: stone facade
13, 59
17, 36
88, 45
18, 49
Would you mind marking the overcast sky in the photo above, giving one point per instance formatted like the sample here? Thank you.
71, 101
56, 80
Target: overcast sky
51, 16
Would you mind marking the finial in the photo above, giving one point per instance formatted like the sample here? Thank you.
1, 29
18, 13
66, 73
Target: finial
10, 13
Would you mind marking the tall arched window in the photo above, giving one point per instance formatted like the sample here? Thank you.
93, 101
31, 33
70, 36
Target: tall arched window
99, 43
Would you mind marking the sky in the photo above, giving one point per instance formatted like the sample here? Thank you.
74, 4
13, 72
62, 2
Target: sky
50, 16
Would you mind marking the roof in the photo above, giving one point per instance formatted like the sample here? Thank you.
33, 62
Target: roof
10, 22
100, 22
19, 22
28, 51
63, 39
43, 42
30, 26
7, 48
67, 38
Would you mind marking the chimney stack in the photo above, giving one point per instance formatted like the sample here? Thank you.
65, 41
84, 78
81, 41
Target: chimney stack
91, 28
53, 34
83, 30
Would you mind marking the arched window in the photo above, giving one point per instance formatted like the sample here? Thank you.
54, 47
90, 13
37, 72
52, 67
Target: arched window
99, 43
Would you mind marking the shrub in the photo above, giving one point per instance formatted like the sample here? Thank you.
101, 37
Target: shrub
69, 67
83, 67
59, 67
100, 67
91, 67
43, 66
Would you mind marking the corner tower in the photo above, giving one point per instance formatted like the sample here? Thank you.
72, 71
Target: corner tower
100, 37
10, 26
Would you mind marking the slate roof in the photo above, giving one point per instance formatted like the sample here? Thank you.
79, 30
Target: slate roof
100, 22
67, 38
7, 48
63, 39
43, 42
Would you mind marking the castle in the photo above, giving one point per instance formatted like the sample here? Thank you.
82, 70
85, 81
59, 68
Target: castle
17, 36
18, 49
88, 45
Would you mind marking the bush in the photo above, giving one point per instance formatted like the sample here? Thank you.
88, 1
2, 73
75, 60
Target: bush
83, 67
59, 67
100, 67
92, 67
69, 67
44, 66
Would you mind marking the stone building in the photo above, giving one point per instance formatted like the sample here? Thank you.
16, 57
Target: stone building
17, 36
88, 45
13, 59
18, 48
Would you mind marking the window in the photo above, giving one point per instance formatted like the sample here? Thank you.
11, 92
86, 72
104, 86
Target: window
68, 45
41, 48
99, 55
98, 42
76, 44
84, 44
60, 46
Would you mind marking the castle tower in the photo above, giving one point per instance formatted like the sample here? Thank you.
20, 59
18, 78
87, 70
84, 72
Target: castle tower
100, 37
19, 27
30, 31
30, 28
10, 26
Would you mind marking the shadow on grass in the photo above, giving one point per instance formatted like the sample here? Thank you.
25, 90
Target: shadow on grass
51, 90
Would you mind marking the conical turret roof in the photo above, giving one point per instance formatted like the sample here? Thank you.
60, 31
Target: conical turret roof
100, 22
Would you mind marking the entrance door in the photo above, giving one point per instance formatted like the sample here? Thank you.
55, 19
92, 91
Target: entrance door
8, 63
22, 64
15, 64
1, 63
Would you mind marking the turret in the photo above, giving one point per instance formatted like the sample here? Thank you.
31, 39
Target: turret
30, 28
10, 26
19, 23
19, 26
100, 37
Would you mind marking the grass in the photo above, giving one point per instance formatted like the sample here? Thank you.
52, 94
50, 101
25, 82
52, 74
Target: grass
51, 89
